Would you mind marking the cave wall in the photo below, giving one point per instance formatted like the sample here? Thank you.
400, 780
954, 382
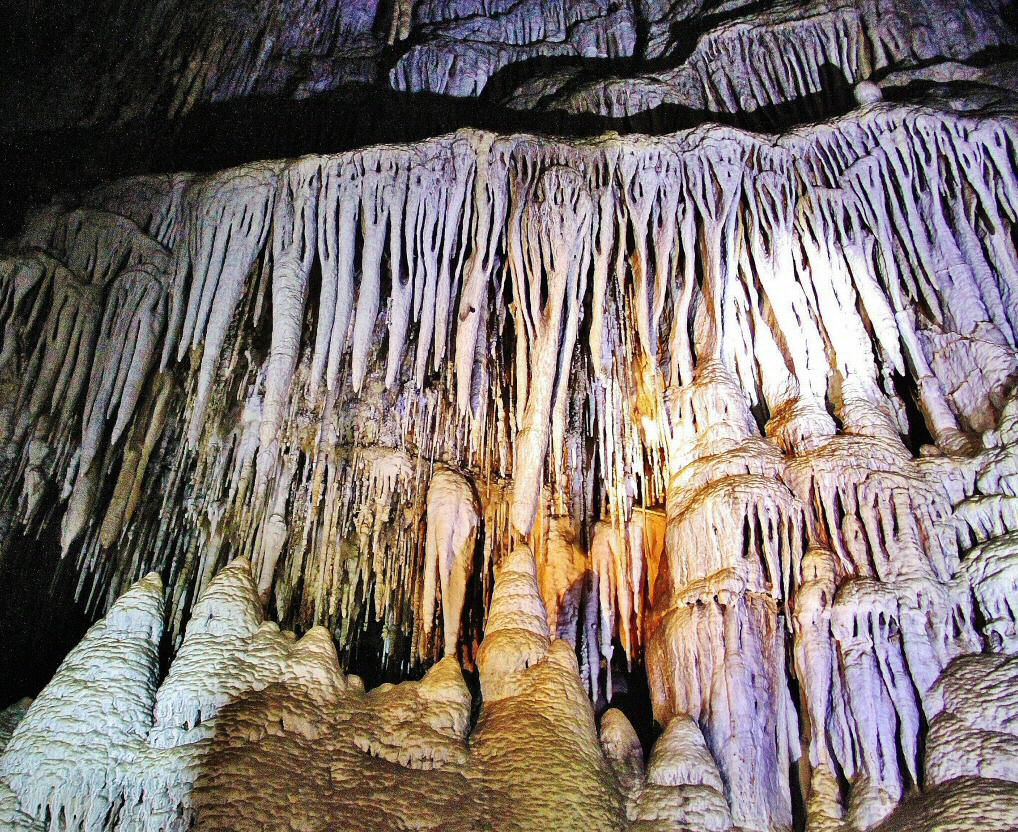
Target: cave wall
727, 414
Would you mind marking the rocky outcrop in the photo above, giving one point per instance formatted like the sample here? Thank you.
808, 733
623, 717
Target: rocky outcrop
807, 57
463, 44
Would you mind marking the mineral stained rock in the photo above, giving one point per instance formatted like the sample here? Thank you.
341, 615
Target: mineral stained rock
538, 425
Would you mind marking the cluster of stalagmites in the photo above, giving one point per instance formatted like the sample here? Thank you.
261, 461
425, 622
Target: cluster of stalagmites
254, 729
734, 57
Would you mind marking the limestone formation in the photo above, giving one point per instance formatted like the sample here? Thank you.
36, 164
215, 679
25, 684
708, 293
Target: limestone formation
452, 517
173, 57
252, 725
643, 432
674, 795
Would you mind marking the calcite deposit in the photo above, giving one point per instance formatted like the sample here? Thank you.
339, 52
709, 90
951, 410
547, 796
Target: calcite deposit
254, 729
630, 479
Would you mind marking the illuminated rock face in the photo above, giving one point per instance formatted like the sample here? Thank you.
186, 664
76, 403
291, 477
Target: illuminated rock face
729, 410
241, 345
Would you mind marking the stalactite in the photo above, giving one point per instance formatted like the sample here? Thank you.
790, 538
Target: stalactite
685, 394
452, 520
414, 240
763, 57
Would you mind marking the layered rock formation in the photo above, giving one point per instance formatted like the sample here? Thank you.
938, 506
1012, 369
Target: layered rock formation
730, 414
613, 58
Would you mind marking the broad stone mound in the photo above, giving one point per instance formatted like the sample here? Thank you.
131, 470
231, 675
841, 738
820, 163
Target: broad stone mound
968, 804
391, 758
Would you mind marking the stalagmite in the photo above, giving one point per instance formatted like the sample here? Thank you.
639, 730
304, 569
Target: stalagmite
623, 750
249, 718
228, 652
533, 683
96, 711
516, 634
683, 788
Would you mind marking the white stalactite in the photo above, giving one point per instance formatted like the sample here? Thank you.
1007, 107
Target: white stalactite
453, 518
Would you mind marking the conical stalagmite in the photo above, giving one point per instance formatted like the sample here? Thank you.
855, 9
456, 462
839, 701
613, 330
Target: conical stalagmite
533, 699
228, 652
74, 751
683, 789
622, 747
516, 634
